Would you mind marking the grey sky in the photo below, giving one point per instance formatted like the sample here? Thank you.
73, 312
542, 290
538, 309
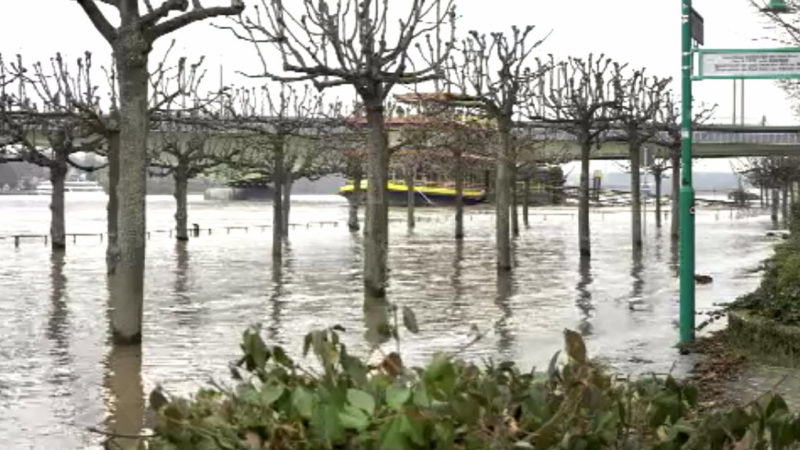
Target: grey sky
642, 33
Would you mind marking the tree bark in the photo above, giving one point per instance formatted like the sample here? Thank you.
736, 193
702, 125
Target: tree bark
514, 201
584, 240
58, 174
411, 196
131, 55
784, 204
277, 202
112, 209
459, 175
355, 200
526, 199
376, 242
503, 197
775, 206
181, 177
636, 195
761, 195
287, 202
657, 177
676, 187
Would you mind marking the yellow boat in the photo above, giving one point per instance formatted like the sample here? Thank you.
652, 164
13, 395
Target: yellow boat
426, 195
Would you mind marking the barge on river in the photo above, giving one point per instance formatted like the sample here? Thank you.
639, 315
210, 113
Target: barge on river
424, 195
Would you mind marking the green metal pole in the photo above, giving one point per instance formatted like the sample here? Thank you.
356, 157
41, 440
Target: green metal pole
687, 191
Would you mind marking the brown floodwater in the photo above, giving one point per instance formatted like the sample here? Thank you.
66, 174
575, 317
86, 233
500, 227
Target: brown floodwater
59, 376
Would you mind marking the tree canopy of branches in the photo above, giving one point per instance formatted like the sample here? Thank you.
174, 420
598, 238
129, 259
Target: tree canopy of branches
352, 43
131, 42
493, 73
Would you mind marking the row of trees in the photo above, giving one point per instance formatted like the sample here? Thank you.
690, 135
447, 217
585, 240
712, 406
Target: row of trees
493, 89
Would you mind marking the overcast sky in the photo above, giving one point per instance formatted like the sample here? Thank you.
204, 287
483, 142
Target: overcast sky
644, 33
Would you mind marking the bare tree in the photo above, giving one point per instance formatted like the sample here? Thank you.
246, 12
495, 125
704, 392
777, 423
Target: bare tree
131, 42
641, 99
669, 120
48, 101
286, 124
579, 99
351, 43
493, 71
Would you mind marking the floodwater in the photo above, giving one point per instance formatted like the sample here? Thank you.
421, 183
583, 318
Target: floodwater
59, 376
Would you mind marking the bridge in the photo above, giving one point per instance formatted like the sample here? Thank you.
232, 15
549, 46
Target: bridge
710, 141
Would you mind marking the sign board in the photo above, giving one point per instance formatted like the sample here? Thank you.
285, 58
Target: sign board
698, 27
761, 64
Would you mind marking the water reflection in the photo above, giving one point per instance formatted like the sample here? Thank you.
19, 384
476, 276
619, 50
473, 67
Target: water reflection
503, 326
637, 267
58, 324
584, 300
281, 271
185, 310
124, 396
455, 280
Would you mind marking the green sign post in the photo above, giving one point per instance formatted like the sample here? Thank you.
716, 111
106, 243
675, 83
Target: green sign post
714, 64
687, 190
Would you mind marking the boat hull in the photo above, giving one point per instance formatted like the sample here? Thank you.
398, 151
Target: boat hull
436, 197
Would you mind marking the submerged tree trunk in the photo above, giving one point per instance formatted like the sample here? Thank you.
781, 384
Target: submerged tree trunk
376, 242
784, 204
675, 201
127, 297
181, 177
775, 206
411, 194
514, 201
657, 178
355, 200
459, 175
583, 201
636, 195
287, 202
58, 174
112, 209
277, 202
526, 199
503, 197
761, 195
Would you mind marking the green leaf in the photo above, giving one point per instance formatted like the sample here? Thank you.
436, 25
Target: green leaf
410, 320
270, 393
303, 402
353, 418
397, 396
255, 350
361, 400
306, 344
421, 397
393, 434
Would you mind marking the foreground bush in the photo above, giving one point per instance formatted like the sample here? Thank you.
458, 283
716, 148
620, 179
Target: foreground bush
778, 295
452, 404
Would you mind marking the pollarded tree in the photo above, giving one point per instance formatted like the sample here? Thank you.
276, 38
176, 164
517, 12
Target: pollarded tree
48, 102
641, 100
131, 42
285, 125
578, 98
352, 43
186, 140
669, 137
493, 71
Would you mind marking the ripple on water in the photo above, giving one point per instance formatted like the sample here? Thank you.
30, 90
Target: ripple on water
58, 375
